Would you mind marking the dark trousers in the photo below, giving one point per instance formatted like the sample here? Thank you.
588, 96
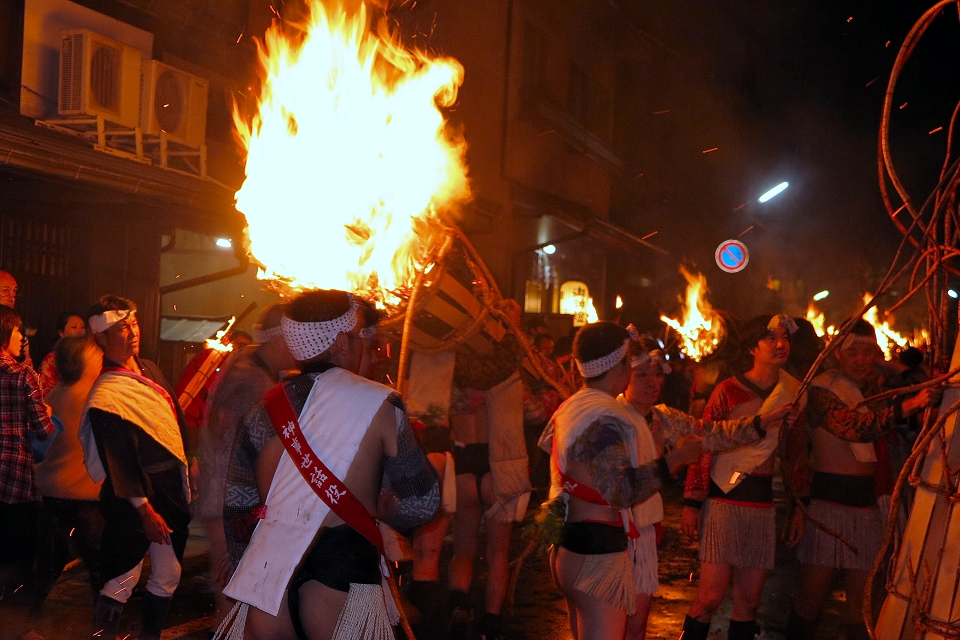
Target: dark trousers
68, 528
18, 534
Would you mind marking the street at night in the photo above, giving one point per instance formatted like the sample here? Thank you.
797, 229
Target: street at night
503, 320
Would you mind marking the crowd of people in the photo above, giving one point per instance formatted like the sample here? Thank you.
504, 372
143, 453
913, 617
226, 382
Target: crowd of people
309, 475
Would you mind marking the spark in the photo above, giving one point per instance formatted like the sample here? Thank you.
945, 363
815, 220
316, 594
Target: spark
742, 206
872, 81
744, 232
98, 633
71, 531
639, 175
650, 235
709, 150
125, 579
888, 44
239, 37
935, 130
548, 131
903, 105
690, 579
18, 588
657, 113
850, 19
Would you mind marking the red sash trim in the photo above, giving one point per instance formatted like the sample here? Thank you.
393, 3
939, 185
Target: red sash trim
147, 381
324, 482
588, 494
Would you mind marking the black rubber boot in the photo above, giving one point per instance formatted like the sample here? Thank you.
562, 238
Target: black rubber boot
693, 629
742, 630
461, 616
856, 631
800, 629
490, 626
106, 618
428, 597
155, 610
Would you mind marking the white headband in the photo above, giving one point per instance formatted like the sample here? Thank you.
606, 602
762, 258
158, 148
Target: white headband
852, 339
656, 356
307, 340
643, 358
265, 335
598, 367
102, 322
785, 321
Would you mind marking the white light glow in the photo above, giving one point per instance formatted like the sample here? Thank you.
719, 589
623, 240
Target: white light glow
820, 296
224, 242
952, 294
777, 190
549, 249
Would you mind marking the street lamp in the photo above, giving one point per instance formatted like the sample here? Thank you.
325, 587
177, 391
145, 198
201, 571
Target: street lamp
820, 296
772, 193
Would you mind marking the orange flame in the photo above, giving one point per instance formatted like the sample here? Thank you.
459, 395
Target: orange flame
889, 340
619, 303
816, 318
216, 343
348, 158
701, 329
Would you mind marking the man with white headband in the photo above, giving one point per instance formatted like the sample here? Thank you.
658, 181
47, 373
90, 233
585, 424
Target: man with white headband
734, 489
679, 438
310, 569
133, 436
597, 477
244, 378
850, 468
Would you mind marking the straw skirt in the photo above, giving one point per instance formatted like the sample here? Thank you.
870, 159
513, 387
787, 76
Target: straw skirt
861, 526
738, 535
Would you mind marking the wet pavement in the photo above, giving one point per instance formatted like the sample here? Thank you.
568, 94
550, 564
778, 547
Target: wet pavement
537, 612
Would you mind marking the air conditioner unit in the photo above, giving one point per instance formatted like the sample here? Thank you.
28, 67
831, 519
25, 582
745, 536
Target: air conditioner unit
173, 102
98, 77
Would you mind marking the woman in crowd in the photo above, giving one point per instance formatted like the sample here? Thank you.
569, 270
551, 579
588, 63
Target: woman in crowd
71, 500
678, 437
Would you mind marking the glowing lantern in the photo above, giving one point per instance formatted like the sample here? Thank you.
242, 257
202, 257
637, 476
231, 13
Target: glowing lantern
575, 300
700, 329
348, 159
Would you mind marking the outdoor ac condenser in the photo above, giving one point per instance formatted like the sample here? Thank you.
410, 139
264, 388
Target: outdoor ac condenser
98, 77
173, 102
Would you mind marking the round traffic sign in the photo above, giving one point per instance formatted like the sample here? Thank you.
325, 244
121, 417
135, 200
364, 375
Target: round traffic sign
732, 256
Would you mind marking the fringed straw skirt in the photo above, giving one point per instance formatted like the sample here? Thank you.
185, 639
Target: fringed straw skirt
861, 526
738, 535
643, 551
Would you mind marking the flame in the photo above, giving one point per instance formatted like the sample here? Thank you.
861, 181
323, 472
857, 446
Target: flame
889, 340
619, 303
348, 158
216, 343
816, 318
701, 329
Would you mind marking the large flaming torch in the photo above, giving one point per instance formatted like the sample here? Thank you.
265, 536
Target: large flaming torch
349, 161
352, 174
701, 330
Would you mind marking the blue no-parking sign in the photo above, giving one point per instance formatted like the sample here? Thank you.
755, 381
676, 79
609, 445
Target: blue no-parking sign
732, 256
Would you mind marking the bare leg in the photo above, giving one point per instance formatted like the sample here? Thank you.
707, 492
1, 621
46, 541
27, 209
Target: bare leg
594, 619
571, 609
428, 539
714, 579
218, 550
813, 590
747, 587
466, 524
498, 552
637, 623
263, 626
